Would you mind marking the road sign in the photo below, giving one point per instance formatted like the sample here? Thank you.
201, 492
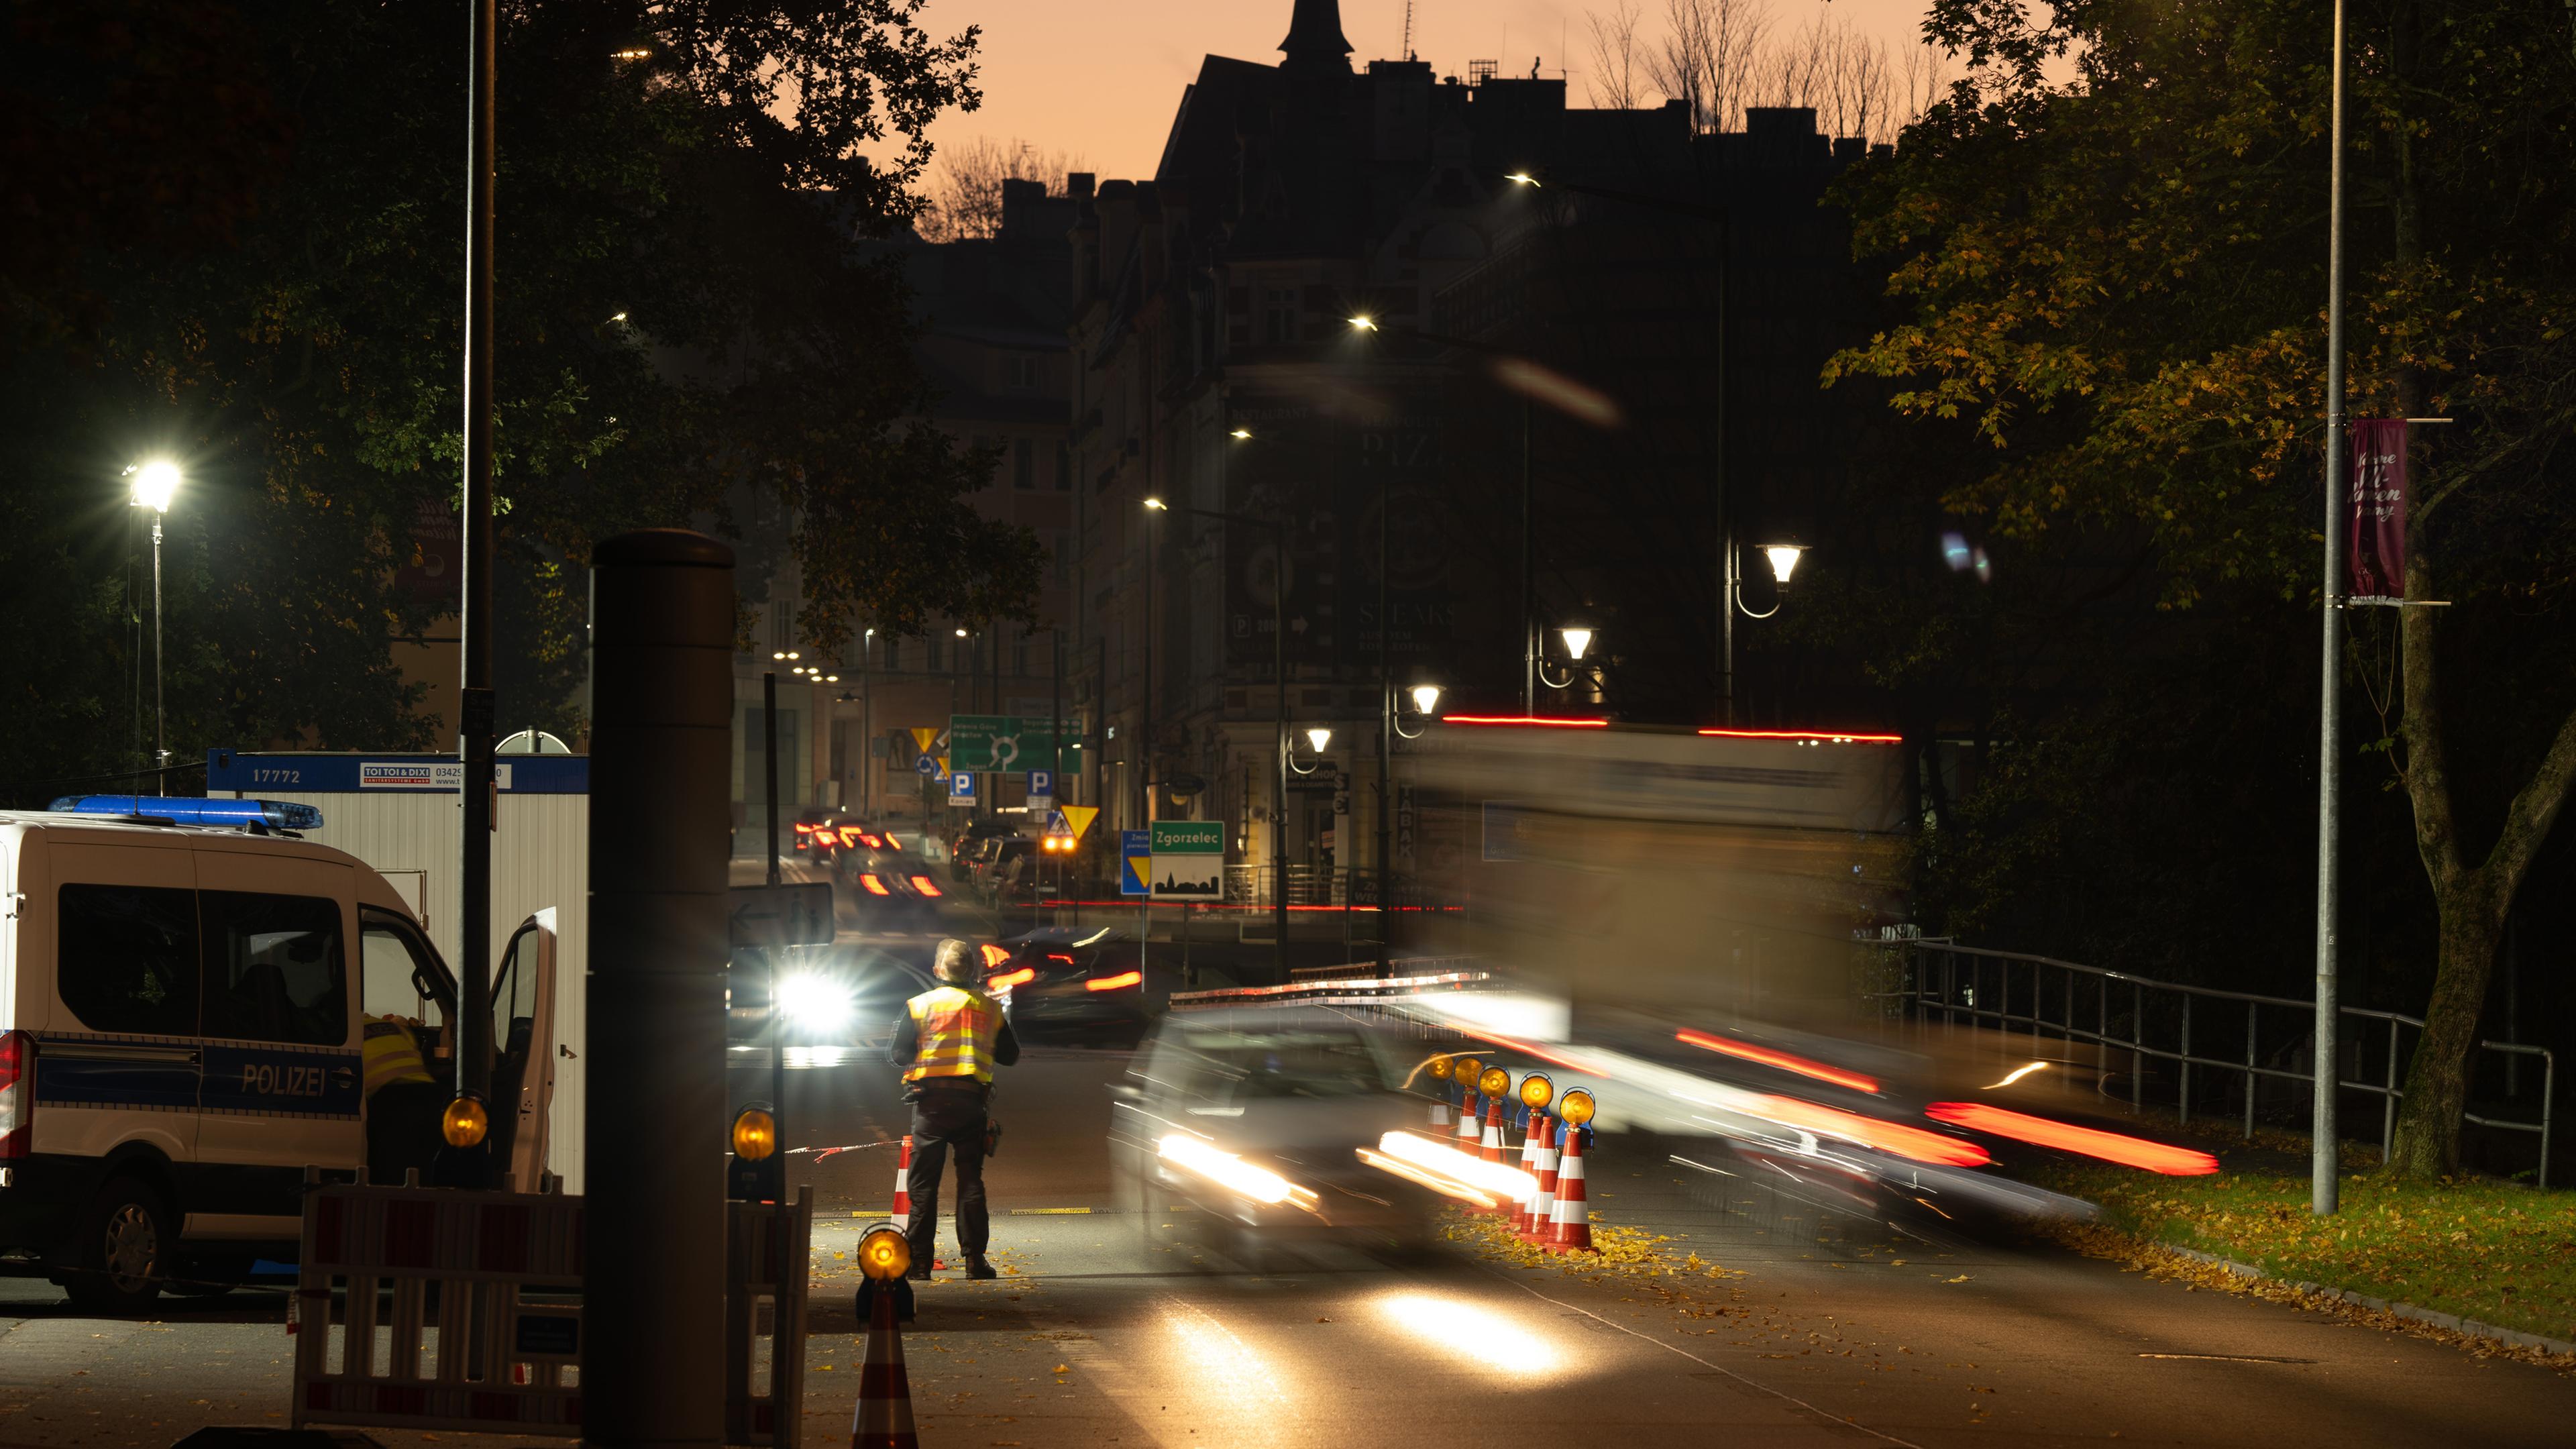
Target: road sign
1188, 860
1135, 861
1057, 829
926, 765
983, 741
1041, 782
1078, 818
961, 787
922, 735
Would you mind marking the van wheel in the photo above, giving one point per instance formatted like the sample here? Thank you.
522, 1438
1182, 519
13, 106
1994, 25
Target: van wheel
124, 1251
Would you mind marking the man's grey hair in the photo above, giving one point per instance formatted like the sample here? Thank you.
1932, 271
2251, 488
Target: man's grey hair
955, 962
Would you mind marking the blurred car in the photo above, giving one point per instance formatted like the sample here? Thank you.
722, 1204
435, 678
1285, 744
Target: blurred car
1007, 869
840, 995
1077, 985
971, 841
814, 837
887, 887
1267, 1128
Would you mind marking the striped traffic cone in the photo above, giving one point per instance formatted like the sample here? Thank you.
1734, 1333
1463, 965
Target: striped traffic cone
884, 1418
1529, 1165
1490, 1146
1466, 1141
1542, 1206
902, 1209
1573, 1216
1440, 1111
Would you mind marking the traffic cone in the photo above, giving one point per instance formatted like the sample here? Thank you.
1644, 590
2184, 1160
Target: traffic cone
1573, 1216
902, 1209
1466, 1141
1440, 1112
884, 1417
1529, 1164
1490, 1147
1542, 1207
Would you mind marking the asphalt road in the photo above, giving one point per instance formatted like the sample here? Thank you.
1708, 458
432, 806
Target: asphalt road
1791, 1328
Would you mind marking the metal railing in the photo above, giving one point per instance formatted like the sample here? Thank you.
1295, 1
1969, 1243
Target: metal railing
1948, 985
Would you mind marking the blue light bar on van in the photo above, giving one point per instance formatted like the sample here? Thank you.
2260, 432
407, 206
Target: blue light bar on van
187, 810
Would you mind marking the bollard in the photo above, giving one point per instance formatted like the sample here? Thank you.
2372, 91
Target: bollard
661, 766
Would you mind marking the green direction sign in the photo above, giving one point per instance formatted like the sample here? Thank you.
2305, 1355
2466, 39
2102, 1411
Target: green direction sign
1004, 742
1188, 860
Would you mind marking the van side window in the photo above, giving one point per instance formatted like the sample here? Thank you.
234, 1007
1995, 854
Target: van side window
390, 965
275, 968
126, 958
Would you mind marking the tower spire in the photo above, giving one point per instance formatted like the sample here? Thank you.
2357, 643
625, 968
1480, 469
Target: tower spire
1315, 38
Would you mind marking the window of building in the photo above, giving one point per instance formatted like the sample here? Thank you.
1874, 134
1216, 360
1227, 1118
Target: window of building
1063, 468
1024, 463
1020, 373
126, 958
1279, 314
932, 645
275, 970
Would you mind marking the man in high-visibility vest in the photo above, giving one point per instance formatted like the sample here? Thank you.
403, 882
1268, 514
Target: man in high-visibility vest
949, 1039
403, 1101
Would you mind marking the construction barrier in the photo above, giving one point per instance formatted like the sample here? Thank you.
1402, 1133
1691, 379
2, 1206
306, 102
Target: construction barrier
463, 1310
504, 1269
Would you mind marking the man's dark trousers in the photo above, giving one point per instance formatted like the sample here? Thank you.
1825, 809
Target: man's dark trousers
944, 1119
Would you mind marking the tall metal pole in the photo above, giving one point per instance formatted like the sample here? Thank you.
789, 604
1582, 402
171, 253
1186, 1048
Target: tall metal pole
774, 950
475, 707
1385, 715
1726, 587
2323, 1188
160, 739
1279, 743
769, 762
1145, 732
1529, 619
654, 1122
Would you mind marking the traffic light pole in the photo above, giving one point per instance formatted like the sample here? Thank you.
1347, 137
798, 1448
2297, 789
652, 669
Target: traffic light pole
473, 1037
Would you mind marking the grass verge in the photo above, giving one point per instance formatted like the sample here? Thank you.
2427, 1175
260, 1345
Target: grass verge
2483, 1250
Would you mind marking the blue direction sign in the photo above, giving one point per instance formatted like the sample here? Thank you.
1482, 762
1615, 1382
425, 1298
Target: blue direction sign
1135, 860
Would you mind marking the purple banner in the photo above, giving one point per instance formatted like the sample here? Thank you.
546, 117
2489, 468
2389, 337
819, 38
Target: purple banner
2376, 548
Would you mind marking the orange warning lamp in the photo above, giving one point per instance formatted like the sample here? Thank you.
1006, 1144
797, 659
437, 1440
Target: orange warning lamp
755, 1134
884, 1254
1537, 1091
1577, 1107
464, 1123
1463, 1071
1494, 1082
1438, 1067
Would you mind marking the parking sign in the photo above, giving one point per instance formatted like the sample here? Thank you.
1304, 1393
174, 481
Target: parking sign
961, 787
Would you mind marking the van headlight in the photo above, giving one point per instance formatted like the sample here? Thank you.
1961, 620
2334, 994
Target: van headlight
815, 1001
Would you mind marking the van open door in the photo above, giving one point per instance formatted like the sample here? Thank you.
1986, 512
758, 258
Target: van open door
523, 1076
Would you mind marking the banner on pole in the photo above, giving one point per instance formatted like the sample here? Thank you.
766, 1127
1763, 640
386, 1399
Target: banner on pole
2375, 549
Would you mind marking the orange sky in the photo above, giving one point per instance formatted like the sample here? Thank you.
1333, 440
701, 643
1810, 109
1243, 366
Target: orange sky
1101, 78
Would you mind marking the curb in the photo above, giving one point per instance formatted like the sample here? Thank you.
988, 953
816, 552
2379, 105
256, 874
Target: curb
2408, 1311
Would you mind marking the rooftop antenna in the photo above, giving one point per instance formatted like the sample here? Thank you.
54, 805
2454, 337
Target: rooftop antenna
1408, 30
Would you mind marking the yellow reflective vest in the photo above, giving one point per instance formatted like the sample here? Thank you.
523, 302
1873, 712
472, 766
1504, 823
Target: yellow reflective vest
390, 1055
957, 1025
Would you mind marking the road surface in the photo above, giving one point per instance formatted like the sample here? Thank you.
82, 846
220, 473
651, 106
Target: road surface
1107, 1330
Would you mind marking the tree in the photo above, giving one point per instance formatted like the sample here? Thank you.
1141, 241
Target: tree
1710, 57
966, 196
2116, 283
1618, 81
686, 340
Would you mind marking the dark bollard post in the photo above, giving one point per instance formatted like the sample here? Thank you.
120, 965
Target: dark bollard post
653, 1315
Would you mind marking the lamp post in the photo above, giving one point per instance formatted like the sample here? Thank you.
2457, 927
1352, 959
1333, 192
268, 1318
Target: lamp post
1783, 558
1145, 711
2324, 1190
155, 483
1578, 641
1279, 725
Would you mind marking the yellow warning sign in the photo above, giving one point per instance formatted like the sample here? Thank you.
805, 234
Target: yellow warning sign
1078, 818
922, 735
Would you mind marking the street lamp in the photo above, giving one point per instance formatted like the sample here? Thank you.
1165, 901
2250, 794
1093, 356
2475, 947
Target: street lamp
1426, 700
1318, 736
1578, 642
1783, 557
155, 483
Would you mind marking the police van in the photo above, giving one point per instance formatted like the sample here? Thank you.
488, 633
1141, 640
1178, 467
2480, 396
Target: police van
184, 986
